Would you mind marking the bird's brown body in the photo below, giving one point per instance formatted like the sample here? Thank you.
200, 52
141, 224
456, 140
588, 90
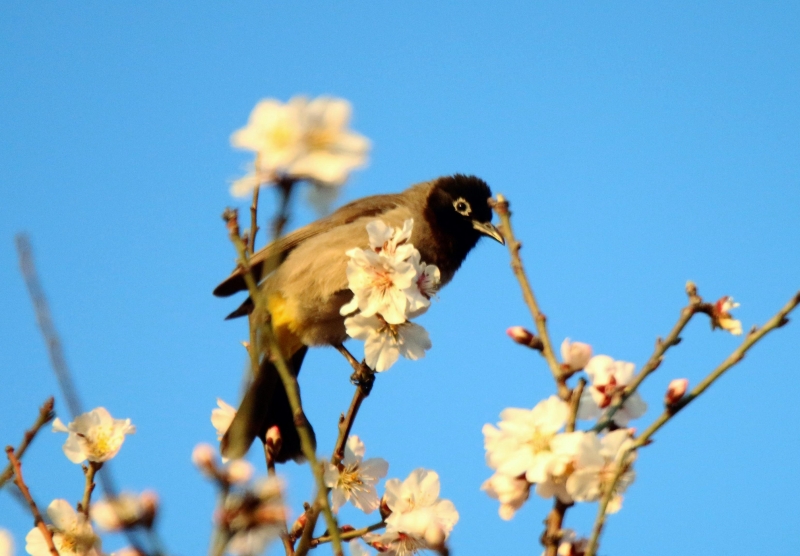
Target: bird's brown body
309, 285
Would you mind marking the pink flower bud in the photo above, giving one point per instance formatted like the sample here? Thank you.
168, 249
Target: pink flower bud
675, 391
524, 337
203, 456
576, 355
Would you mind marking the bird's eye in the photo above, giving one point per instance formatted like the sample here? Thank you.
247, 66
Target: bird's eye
462, 206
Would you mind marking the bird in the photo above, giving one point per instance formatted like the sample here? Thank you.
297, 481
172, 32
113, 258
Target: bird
306, 285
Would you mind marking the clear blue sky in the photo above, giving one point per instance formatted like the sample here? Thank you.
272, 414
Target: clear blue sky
641, 145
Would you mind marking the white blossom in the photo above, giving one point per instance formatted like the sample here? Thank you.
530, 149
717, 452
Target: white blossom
222, 417
255, 518
609, 378
570, 544
356, 479
511, 492
417, 513
95, 436
357, 548
723, 318
595, 468
385, 278
72, 534
301, 139
124, 511
6, 543
384, 342
575, 354
522, 443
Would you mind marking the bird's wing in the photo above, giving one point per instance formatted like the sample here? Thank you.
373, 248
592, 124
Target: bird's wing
276, 251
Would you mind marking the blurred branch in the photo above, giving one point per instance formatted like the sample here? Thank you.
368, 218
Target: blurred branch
45, 416
38, 521
45, 321
501, 207
286, 375
89, 472
621, 463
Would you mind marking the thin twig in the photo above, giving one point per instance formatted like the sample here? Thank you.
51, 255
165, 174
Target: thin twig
89, 471
312, 515
364, 378
38, 521
251, 243
349, 535
289, 383
778, 320
45, 416
501, 207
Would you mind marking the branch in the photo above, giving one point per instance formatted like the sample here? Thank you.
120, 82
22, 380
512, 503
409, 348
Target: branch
45, 416
89, 472
777, 321
349, 535
364, 378
38, 521
287, 377
501, 207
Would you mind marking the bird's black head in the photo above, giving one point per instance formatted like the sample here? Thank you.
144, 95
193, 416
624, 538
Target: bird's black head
459, 214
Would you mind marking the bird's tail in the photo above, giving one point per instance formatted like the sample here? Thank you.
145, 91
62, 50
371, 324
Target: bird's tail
266, 404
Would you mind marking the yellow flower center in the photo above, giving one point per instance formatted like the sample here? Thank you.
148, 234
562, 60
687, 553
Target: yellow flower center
540, 441
280, 136
320, 139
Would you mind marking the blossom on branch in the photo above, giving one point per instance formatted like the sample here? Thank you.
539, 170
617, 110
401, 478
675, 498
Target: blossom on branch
595, 468
72, 534
125, 511
384, 342
222, 417
722, 317
301, 139
94, 436
608, 380
6, 543
254, 518
355, 479
418, 515
575, 355
511, 492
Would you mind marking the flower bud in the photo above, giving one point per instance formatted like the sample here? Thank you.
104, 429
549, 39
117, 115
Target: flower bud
675, 391
148, 501
298, 526
575, 355
203, 456
384, 508
722, 317
274, 439
239, 471
524, 337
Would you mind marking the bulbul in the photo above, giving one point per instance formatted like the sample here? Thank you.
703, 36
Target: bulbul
307, 284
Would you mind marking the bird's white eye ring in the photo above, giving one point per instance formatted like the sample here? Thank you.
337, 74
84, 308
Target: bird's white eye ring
462, 206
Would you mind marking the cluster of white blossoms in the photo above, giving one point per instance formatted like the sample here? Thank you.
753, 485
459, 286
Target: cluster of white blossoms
390, 284
301, 139
531, 448
95, 437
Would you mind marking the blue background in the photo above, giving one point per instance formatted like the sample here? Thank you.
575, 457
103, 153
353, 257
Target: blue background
641, 145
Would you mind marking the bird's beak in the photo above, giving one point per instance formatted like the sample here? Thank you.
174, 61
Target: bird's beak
489, 229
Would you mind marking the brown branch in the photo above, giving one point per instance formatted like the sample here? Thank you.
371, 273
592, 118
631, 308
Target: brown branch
89, 471
363, 377
349, 535
45, 416
38, 521
312, 515
501, 207
777, 321
287, 377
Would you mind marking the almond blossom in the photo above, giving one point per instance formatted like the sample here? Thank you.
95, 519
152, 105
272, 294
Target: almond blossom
385, 278
72, 534
511, 492
355, 478
125, 511
608, 379
522, 445
575, 355
722, 317
301, 139
222, 417
94, 436
254, 518
595, 468
384, 342
6, 543
417, 514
